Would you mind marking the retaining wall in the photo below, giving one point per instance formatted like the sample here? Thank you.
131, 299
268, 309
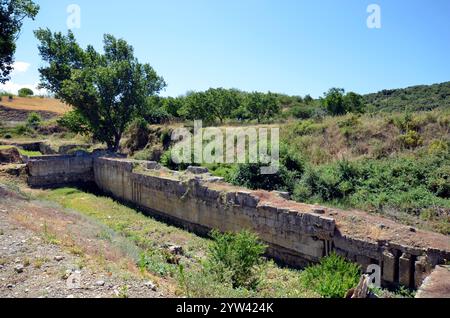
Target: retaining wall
297, 234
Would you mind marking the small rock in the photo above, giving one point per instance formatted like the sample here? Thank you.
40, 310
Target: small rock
67, 274
100, 283
197, 170
381, 226
27, 290
150, 285
318, 210
175, 250
19, 268
59, 258
74, 280
412, 229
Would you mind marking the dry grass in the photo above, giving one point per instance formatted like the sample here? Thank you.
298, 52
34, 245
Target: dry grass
36, 104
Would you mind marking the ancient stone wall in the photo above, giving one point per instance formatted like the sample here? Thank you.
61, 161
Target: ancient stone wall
297, 234
53, 171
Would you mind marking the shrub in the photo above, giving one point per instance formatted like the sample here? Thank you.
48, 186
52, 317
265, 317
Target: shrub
291, 167
302, 112
237, 257
22, 130
74, 122
411, 139
332, 278
34, 120
439, 181
25, 92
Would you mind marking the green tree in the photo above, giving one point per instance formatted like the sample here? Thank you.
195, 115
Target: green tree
24, 92
333, 101
354, 103
262, 106
107, 90
12, 14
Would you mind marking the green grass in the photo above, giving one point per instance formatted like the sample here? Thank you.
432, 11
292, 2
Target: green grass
23, 152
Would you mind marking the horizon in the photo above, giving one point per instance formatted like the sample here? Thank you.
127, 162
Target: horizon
289, 47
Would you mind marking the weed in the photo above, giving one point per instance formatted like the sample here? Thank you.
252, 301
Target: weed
237, 257
332, 278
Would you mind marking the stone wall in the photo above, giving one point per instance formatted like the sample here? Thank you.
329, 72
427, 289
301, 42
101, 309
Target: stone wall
297, 234
53, 171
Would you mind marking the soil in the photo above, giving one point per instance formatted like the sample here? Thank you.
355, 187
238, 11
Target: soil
49, 253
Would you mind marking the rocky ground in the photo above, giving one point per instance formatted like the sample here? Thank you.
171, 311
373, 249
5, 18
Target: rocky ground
36, 260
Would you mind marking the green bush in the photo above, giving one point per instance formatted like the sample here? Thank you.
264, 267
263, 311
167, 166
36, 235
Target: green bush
22, 130
332, 278
34, 120
439, 181
411, 139
236, 257
290, 170
407, 184
25, 92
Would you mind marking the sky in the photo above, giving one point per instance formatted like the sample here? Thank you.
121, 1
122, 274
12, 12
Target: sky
296, 47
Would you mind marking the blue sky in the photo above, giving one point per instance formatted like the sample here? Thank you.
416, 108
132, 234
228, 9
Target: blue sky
296, 47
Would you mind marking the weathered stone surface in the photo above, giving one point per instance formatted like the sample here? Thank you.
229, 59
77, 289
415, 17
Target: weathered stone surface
436, 285
197, 170
389, 267
10, 155
406, 270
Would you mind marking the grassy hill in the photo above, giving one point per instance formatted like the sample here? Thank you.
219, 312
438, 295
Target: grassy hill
415, 98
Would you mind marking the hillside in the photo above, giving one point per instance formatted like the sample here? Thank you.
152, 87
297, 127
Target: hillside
415, 98
37, 104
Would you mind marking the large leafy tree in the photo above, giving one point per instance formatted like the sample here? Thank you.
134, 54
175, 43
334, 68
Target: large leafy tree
107, 90
262, 106
12, 14
339, 103
334, 101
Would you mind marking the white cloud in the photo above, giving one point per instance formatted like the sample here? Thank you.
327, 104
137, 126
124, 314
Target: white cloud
21, 67
13, 88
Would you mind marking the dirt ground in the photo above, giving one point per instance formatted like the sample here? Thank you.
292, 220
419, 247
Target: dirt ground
49, 253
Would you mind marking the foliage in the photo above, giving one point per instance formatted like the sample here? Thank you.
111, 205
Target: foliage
262, 106
338, 104
12, 14
34, 120
406, 184
237, 257
74, 122
416, 98
333, 277
25, 92
249, 175
107, 90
